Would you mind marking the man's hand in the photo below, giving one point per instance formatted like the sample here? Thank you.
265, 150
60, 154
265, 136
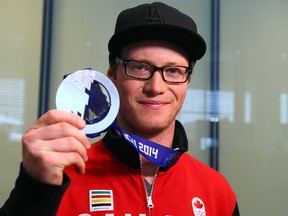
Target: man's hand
54, 142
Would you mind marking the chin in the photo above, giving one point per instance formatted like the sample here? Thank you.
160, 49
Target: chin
151, 126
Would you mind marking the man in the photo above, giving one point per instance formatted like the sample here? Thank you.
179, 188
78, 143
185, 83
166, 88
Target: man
152, 55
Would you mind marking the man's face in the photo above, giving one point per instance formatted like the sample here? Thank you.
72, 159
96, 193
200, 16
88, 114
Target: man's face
149, 106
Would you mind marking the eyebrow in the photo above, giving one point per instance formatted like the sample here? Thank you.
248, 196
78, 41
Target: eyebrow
164, 65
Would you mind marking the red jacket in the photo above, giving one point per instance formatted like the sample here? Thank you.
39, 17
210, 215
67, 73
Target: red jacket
113, 186
187, 188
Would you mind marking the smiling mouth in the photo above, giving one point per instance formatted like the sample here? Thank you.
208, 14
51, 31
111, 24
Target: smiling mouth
153, 104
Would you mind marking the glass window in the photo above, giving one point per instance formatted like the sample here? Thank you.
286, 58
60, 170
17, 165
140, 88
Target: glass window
20, 48
253, 71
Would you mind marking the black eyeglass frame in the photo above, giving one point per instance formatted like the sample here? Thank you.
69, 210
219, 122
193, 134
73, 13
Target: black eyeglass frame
188, 71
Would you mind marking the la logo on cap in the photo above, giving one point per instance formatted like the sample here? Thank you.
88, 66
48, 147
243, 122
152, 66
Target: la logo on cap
154, 15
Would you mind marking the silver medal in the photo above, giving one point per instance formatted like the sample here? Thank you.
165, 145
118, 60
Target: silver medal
92, 96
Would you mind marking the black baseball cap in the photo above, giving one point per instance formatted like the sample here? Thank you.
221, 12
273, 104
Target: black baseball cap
156, 21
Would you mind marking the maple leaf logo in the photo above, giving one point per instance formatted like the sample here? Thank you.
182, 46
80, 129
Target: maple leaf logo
198, 207
198, 204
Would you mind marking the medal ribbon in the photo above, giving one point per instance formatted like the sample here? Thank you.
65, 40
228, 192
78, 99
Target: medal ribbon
154, 152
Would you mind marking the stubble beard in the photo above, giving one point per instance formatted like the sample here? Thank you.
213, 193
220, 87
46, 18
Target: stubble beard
146, 126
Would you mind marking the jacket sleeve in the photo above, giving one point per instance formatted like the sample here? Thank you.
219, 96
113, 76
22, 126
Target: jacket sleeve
33, 198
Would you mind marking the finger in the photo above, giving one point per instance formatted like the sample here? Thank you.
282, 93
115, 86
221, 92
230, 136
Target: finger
55, 131
63, 145
70, 158
37, 149
50, 169
56, 116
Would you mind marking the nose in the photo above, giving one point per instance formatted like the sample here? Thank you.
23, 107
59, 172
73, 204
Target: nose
155, 85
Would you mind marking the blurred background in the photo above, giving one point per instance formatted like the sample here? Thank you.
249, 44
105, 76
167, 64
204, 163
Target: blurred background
236, 108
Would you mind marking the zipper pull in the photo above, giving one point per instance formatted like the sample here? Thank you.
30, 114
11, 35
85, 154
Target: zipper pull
150, 203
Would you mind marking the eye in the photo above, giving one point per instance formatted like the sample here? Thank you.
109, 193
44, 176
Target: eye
172, 70
138, 66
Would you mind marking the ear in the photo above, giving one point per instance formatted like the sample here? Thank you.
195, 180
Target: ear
192, 65
111, 74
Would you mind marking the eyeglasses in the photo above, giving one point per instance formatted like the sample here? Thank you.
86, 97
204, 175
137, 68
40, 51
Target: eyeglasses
174, 74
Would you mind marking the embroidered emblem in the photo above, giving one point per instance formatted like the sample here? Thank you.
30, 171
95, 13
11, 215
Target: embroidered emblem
155, 15
101, 200
198, 207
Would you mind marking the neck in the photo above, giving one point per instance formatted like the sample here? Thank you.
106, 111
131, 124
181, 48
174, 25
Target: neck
164, 138
149, 170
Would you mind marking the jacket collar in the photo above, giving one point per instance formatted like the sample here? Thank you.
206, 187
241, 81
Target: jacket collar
124, 152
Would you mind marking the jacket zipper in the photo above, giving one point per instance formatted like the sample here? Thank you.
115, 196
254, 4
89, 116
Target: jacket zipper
150, 204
